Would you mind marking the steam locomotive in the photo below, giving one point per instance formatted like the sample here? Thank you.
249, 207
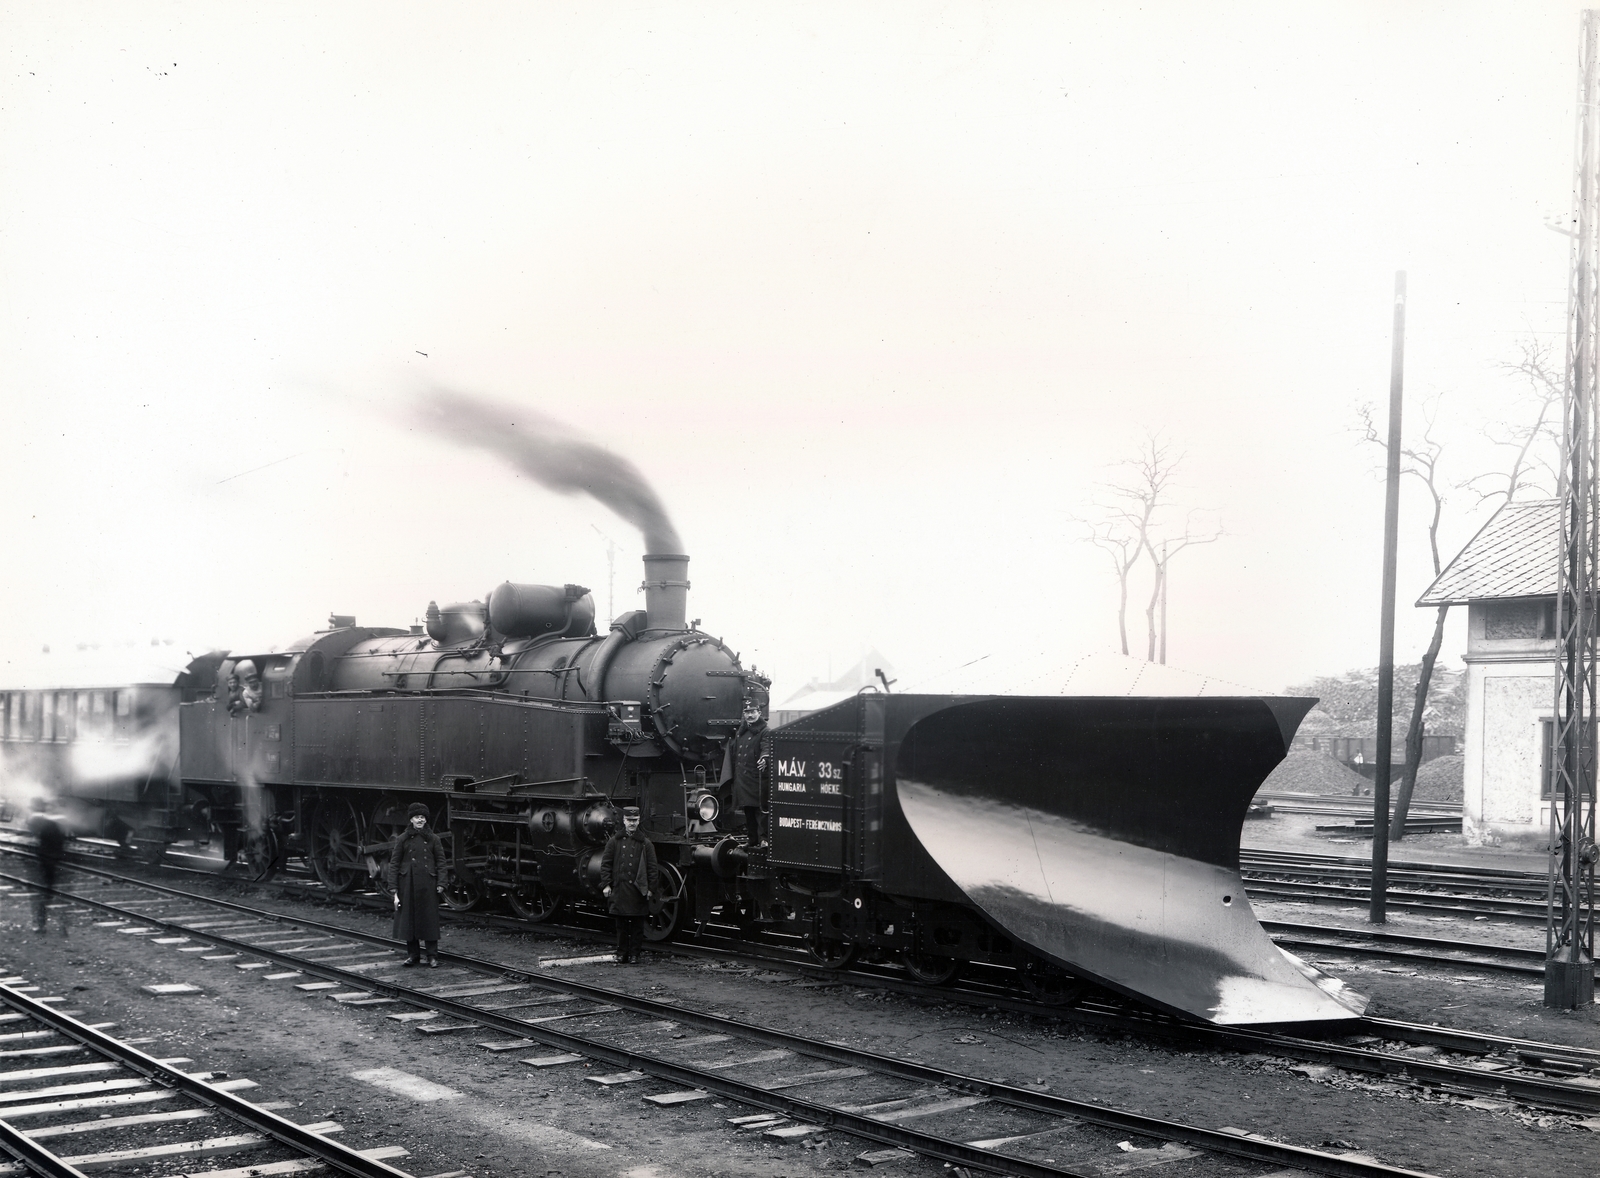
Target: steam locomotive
1077, 840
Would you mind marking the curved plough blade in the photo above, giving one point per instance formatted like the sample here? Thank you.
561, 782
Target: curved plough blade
1104, 834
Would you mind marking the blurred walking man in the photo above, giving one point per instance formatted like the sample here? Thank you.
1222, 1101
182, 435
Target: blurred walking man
52, 849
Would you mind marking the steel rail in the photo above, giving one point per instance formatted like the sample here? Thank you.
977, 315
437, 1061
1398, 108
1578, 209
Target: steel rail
34, 1156
1412, 901
1255, 855
1454, 885
1258, 861
1549, 1094
340, 1157
957, 1153
1476, 1042
1283, 933
1352, 871
1353, 887
1406, 939
1302, 944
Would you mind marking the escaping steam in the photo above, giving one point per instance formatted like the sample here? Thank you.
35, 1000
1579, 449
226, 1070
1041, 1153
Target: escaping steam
550, 452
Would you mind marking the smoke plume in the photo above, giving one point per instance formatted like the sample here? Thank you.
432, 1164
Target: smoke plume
548, 450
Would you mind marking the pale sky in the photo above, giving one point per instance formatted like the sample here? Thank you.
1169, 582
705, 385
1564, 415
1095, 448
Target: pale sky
875, 296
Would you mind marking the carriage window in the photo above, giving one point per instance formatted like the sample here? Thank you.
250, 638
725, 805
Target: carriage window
47, 717
5, 718
92, 718
65, 729
30, 709
124, 703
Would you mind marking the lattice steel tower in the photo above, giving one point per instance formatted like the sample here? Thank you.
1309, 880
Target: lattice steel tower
1569, 931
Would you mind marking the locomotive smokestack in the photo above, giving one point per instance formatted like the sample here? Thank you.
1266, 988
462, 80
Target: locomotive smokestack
666, 590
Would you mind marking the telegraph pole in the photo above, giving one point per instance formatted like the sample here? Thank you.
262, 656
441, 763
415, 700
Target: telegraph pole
1379, 900
1569, 923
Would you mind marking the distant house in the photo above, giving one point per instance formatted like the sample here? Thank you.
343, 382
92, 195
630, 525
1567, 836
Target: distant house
1506, 577
816, 695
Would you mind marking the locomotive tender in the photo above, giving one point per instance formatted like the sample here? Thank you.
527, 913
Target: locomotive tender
1074, 839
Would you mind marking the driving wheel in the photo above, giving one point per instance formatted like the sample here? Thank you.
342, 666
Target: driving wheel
260, 854
532, 903
466, 891
336, 846
666, 914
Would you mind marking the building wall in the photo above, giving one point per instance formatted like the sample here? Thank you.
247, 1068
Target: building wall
1510, 692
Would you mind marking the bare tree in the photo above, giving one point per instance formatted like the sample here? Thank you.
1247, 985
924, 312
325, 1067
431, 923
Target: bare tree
1536, 418
1124, 549
1422, 463
1170, 547
1130, 525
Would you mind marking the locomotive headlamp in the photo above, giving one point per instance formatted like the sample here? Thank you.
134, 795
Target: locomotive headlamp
708, 807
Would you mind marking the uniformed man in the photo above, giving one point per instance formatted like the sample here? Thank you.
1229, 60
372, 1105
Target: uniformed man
629, 880
749, 755
415, 874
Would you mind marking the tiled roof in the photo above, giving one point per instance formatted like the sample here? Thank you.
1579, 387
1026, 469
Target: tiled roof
1516, 554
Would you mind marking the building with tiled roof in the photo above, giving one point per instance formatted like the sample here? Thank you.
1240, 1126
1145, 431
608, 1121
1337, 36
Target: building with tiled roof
1506, 576
1516, 554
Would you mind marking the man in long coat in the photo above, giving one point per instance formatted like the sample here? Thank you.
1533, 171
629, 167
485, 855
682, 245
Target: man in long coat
748, 754
629, 879
415, 875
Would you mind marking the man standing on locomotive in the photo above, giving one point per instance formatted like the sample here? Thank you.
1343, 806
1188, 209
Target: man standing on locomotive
748, 754
415, 875
629, 879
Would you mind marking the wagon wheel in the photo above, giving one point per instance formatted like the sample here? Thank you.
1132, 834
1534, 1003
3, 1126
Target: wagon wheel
462, 894
1048, 984
666, 914
830, 954
465, 891
261, 854
930, 970
336, 856
532, 902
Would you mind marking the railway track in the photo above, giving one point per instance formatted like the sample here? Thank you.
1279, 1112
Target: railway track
55, 1070
981, 986
1404, 947
991, 985
797, 1086
1516, 897
988, 985
1296, 864
1540, 1075
1344, 806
